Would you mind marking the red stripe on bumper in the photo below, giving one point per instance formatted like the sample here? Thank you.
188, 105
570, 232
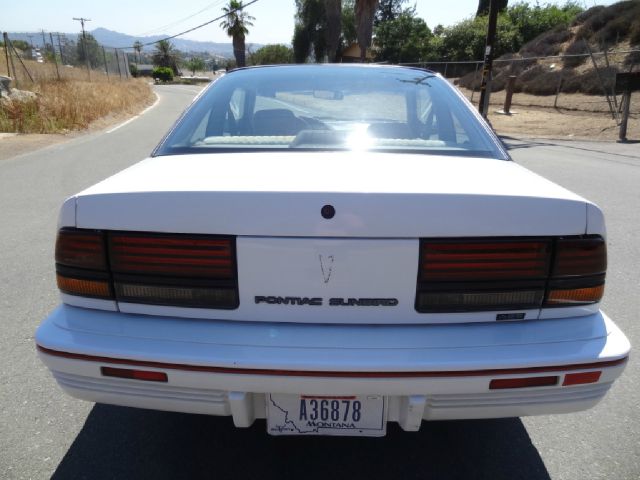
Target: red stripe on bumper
335, 374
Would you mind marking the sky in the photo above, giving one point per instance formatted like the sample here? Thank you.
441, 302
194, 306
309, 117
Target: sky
273, 18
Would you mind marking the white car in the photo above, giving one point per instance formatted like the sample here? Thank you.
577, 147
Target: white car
332, 248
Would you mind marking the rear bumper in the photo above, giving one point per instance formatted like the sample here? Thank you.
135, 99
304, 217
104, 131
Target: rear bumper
427, 372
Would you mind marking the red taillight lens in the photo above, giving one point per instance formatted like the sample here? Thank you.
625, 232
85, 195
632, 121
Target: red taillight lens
81, 264
579, 257
455, 261
186, 256
174, 269
81, 249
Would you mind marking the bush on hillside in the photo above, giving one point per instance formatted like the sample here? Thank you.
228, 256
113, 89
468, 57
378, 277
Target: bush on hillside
634, 33
614, 31
546, 44
632, 58
611, 20
589, 83
587, 14
578, 47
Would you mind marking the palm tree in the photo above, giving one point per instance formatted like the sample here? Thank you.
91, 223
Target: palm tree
236, 23
334, 27
365, 12
165, 56
137, 46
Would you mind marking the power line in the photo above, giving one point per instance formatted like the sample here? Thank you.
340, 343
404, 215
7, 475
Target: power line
194, 28
177, 22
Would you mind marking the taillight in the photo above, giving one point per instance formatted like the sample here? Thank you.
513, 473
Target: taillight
577, 276
509, 274
81, 264
482, 274
172, 269
160, 269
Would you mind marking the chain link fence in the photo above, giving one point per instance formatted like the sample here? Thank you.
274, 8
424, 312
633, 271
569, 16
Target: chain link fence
58, 58
547, 81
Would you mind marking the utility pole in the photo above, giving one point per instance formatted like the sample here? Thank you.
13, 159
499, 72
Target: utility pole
31, 42
84, 43
485, 86
60, 48
44, 41
55, 60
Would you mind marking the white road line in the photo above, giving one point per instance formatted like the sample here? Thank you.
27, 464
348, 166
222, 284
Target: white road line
135, 117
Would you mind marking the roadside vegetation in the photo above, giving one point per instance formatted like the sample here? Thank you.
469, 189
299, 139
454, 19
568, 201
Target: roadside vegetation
613, 28
72, 103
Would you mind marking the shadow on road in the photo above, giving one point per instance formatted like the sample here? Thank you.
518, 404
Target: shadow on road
512, 143
118, 442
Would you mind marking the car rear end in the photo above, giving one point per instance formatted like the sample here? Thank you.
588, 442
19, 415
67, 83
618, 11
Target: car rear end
331, 290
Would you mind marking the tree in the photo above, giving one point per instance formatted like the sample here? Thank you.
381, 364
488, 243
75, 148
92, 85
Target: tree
271, 55
166, 56
195, 64
310, 32
466, 40
333, 10
235, 23
365, 11
349, 31
483, 6
137, 46
388, 10
88, 49
405, 39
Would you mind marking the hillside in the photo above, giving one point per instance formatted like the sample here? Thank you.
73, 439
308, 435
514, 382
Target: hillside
614, 29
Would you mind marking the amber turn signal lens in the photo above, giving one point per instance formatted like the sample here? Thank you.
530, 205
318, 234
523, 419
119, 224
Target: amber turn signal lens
83, 287
575, 296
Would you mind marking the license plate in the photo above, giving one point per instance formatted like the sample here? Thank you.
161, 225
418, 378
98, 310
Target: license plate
352, 415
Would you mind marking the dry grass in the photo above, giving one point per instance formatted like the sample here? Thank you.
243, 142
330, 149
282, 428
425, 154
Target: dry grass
72, 103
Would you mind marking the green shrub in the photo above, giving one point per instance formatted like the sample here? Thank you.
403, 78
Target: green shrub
163, 74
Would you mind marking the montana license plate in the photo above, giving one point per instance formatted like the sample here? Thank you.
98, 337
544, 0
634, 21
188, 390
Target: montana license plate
351, 415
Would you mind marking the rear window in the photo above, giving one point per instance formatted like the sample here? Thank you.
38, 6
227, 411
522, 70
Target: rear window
331, 107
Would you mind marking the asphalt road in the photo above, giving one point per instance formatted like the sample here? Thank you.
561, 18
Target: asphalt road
44, 433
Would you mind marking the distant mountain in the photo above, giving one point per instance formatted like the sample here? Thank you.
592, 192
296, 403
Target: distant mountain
109, 38
117, 39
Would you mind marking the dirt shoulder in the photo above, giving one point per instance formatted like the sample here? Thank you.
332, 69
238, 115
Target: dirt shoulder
15, 144
577, 116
